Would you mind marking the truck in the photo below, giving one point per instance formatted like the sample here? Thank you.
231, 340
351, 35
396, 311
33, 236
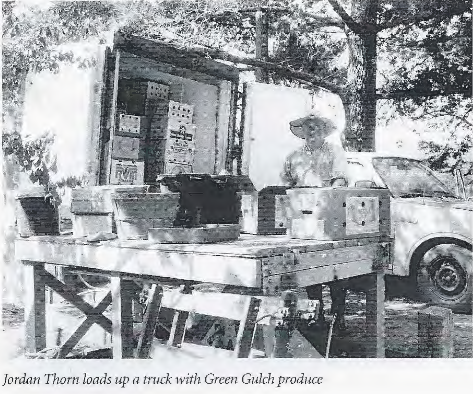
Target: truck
241, 127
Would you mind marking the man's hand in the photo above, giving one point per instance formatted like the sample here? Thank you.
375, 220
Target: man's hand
339, 182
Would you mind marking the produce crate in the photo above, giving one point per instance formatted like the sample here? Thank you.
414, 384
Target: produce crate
98, 199
130, 124
136, 213
338, 213
127, 148
84, 225
264, 212
35, 213
126, 172
134, 94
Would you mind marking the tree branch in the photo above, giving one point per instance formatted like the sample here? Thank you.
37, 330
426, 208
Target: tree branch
354, 26
323, 21
456, 9
135, 45
413, 93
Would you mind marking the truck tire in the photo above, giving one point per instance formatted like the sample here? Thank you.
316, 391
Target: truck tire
444, 277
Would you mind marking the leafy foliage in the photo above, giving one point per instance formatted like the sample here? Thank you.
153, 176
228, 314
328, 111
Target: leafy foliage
424, 46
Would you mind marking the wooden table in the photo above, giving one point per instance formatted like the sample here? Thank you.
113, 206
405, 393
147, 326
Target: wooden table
264, 265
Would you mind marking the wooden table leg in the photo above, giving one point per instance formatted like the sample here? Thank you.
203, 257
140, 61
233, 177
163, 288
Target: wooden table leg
246, 331
375, 332
35, 306
150, 322
122, 317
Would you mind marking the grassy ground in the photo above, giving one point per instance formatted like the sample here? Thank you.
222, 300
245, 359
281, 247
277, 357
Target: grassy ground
401, 330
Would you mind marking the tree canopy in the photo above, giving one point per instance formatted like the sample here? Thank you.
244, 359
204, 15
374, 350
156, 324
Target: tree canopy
423, 47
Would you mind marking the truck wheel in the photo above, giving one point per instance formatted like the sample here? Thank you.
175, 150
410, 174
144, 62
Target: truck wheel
443, 278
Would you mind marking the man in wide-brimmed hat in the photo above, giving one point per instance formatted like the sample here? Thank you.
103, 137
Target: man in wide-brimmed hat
321, 162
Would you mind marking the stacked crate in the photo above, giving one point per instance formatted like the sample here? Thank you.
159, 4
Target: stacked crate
165, 129
130, 151
264, 212
171, 138
127, 164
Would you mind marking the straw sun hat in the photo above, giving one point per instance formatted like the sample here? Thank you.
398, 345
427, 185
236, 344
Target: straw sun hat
310, 124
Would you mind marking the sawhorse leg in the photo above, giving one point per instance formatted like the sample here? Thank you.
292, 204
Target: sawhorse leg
375, 330
35, 306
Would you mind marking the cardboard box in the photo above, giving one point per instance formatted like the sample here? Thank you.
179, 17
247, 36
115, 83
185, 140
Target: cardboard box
84, 225
126, 172
264, 212
338, 213
134, 95
97, 199
162, 126
129, 124
126, 148
174, 168
181, 112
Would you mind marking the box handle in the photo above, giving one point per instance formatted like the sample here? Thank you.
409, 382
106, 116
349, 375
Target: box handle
306, 212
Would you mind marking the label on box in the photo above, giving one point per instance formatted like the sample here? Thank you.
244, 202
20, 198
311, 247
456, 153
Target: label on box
129, 124
124, 172
126, 147
362, 215
157, 91
179, 151
181, 131
181, 111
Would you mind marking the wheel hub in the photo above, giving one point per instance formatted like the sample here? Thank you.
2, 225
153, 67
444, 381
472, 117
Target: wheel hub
448, 276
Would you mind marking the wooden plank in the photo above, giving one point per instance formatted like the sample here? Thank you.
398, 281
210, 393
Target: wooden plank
113, 114
69, 295
274, 284
435, 332
185, 266
232, 129
230, 306
252, 246
150, 322
309, 260
375, 330
246, 330
122, 317
97, 102
223, 126
35, 306
88, 322
178, 328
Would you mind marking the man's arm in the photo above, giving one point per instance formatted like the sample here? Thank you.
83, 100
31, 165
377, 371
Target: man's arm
339, 166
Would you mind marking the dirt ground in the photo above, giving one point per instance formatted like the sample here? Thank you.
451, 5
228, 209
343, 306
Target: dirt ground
401, 330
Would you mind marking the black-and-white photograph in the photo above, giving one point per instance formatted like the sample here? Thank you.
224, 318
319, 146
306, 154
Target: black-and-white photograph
189, 180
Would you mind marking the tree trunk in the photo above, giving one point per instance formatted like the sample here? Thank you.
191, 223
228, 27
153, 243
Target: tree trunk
361, 79
261, 44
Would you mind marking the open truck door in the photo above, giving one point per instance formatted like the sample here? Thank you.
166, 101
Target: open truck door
81, 106
267, 139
